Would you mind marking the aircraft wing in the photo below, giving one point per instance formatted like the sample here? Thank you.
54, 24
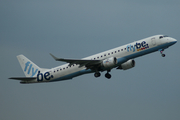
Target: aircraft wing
81, 62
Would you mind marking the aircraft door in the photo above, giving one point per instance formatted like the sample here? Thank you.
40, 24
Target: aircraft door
153, 41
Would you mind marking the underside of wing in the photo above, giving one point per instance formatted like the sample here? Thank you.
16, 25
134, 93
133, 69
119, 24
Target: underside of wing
81, 62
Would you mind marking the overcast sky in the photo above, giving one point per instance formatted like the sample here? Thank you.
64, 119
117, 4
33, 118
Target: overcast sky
80, 28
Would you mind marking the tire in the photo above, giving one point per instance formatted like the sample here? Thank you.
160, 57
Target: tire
97, 74
163, 55
108, 76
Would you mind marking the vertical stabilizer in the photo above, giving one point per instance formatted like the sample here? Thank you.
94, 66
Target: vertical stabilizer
29, 68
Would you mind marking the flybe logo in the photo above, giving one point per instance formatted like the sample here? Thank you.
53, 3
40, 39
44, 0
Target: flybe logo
46, 76
31, 69
138, 46
40, 76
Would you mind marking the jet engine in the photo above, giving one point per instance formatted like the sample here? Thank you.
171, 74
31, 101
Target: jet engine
109, 62
127, 65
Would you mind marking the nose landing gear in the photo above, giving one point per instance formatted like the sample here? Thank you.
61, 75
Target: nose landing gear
161, 51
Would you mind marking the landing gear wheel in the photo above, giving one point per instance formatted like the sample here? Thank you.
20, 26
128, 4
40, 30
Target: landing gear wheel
108, 76
163, 55
97, 74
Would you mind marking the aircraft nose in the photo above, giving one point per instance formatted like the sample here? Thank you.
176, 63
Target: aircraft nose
173, 40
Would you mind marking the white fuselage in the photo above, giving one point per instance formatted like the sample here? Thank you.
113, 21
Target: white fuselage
122, 53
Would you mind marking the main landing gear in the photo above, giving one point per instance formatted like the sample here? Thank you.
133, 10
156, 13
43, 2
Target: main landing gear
163, 55
98, 74
107, 75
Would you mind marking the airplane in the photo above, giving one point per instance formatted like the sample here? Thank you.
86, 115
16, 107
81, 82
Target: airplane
120, 58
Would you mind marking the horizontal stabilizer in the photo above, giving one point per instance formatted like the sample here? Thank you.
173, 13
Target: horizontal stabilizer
23, 78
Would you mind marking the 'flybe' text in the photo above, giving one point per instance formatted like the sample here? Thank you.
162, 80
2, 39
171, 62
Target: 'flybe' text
46, 76
138, 46
30, 69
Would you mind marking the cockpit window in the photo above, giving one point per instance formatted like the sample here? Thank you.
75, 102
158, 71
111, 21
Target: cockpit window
163, 36
160, 37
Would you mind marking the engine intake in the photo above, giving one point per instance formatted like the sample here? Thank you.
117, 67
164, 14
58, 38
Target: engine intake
127, 65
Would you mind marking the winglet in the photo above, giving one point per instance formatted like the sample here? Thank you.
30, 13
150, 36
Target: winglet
54, 57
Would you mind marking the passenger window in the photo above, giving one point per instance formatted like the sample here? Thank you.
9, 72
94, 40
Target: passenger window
121, 49
108, 53
115, 51
118, 50
124, 48
112, 53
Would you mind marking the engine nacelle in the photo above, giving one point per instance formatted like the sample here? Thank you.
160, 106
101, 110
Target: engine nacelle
109, 62
127, 65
